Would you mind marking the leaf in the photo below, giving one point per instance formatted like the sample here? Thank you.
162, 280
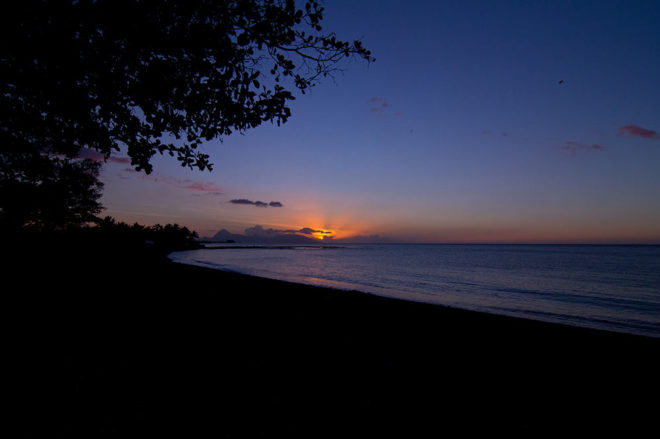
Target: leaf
243, 39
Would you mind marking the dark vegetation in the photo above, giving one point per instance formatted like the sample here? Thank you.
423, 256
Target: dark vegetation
84, 80
155, 76
45, 193
167, 238
106, 242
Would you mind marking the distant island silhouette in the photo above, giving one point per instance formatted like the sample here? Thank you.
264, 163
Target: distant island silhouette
225, 236
259, 235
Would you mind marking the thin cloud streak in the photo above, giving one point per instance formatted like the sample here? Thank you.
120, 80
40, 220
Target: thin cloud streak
380, 105
309, 231
198, 187
202, 187
306, 232
637, 131
575, 146
244, 201
96, 156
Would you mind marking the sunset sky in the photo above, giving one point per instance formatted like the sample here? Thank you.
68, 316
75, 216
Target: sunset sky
480, 121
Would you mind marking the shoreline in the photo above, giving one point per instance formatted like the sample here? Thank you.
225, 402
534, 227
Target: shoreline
354, 293
144, 346
274, 247
417, 297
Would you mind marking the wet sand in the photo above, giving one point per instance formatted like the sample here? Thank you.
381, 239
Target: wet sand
109, 346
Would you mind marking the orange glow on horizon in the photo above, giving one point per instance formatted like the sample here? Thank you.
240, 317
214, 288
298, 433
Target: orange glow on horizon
321, 235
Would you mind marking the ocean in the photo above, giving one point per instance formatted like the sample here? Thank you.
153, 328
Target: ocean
614, 288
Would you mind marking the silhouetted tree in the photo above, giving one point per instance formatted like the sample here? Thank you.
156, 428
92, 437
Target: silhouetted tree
47, 193
148, 75
166, 238
154, 75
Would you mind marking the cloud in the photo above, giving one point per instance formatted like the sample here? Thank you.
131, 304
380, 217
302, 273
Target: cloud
241, 201
303, 236
260, 231
259, 235
202, 187
120, 160
575, 146
636, 131
190, 185
379, 105
197, 187
310, 231
91, 154
256, 203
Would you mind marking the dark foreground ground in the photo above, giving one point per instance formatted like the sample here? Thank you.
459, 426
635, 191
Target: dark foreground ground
101, 344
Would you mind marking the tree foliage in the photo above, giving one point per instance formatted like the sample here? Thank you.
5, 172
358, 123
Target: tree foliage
146, 75
167, 238
155, 75
51, 193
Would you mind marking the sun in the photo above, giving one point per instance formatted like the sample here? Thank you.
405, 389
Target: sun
321, 234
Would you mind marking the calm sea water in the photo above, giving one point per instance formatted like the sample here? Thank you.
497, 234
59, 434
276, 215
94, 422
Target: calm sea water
615, 288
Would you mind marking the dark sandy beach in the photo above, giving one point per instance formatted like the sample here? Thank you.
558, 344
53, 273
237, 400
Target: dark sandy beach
107, 346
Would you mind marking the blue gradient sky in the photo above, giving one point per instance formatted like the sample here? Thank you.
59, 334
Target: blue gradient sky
459, 132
